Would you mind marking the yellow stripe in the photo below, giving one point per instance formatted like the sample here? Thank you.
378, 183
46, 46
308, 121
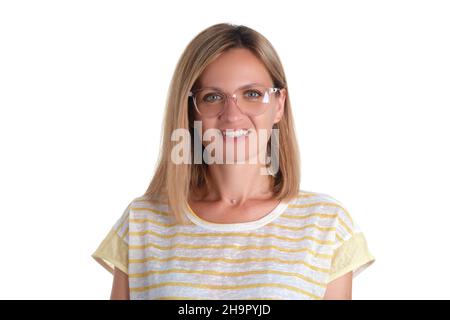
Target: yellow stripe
226, 260
314, 204
331, 204
162, 213
143, 220
348, 215
339, 237
320, 215
231, 234
227, 274
230, 246
305, 195
223, 287
320, 228
345, 226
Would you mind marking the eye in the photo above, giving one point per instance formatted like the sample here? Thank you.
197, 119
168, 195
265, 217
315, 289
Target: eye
252, 94
212, 97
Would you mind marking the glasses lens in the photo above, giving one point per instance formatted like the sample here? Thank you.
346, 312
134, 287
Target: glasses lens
254, 100
209, 102
251, 100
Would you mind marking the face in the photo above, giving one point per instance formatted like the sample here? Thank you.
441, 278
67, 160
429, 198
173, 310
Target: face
234, 69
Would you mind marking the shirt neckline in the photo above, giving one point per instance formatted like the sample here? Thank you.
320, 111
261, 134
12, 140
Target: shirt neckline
238, 226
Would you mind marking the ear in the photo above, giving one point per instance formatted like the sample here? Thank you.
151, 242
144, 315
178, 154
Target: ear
280, 106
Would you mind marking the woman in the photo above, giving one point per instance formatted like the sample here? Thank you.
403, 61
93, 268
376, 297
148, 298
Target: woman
235, 229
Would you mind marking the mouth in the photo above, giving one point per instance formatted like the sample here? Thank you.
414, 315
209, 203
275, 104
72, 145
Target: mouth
235, 133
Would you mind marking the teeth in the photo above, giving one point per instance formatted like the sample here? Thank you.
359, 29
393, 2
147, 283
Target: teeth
235, 134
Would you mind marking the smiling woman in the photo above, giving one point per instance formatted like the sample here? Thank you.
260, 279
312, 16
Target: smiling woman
232, 230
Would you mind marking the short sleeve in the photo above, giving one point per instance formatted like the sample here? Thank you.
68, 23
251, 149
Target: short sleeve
351, 251
113, 250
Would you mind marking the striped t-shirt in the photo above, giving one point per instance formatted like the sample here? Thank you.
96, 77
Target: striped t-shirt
290, 253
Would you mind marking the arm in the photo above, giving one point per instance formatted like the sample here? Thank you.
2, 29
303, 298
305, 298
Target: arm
340, 288
120, 287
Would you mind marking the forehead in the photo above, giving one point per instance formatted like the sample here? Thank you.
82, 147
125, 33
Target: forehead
235, 68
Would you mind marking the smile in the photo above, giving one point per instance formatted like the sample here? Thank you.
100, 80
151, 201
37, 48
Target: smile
235, 133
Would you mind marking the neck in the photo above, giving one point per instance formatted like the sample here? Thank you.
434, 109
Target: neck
235, 184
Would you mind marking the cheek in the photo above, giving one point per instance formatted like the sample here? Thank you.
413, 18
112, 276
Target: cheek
207, 124
264, 123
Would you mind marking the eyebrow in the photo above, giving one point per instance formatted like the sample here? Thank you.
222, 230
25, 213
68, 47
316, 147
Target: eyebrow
241, 87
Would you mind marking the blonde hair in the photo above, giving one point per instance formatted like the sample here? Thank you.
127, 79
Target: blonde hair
171, 183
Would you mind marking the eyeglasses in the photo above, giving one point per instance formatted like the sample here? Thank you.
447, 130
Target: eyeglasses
253, 100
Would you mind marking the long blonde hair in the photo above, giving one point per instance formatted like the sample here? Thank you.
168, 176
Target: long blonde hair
172, 183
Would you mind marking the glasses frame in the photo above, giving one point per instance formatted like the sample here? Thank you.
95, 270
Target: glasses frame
227, 97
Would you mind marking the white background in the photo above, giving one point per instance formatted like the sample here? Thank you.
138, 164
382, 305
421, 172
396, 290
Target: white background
82, 91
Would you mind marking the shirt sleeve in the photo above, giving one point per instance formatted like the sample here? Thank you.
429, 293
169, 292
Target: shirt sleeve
113, 250
351, 251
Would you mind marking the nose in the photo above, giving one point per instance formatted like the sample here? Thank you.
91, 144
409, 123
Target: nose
231, 110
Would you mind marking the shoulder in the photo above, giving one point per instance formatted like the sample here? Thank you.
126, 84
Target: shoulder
143, 207
317, 201
324, 206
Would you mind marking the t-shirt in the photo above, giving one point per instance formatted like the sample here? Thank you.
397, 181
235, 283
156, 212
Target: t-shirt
293, 252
